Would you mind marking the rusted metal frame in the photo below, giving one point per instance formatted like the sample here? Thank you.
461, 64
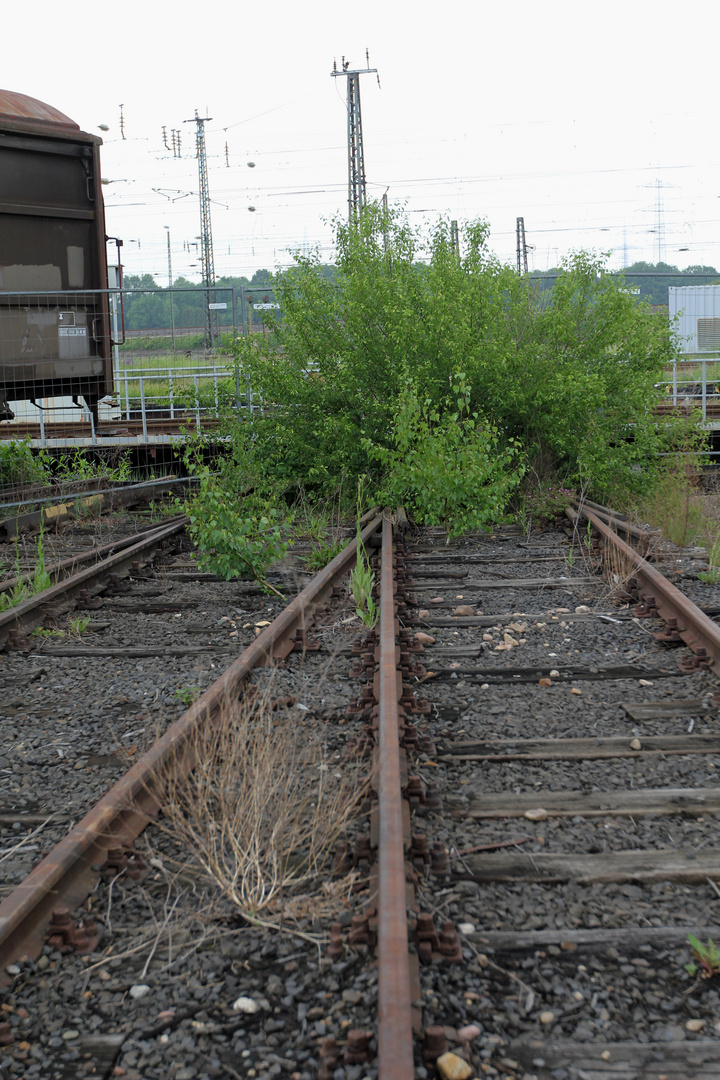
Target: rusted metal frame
697, 630
368, 516
395, 1038
617, 521
584, 501
68, 873
29, 613
93, 555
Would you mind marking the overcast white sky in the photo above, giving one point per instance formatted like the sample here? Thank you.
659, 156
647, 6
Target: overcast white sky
580, 118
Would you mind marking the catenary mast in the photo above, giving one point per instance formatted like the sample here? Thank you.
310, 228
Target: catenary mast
522, 259
206, 241
356, 156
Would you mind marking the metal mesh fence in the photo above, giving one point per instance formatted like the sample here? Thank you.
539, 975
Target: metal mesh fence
114, 376
695, 384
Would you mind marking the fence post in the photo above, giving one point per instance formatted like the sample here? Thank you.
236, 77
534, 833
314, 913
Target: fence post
237, 386
172, 396
142, 408
704, 390
197, 404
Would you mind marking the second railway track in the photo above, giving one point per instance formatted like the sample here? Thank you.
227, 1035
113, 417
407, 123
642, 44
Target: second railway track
551, 821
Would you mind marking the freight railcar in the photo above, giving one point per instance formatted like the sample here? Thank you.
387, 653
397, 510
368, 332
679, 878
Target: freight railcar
54, 313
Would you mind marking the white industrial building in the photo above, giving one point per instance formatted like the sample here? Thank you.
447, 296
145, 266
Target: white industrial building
696, 309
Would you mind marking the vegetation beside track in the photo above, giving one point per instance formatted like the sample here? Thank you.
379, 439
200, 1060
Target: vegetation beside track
22, 467
566, 375
442, 379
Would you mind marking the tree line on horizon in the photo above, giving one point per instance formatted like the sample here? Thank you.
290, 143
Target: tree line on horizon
147, 304
652, 280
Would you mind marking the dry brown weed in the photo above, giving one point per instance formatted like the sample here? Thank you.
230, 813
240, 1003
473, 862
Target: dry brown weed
262, 809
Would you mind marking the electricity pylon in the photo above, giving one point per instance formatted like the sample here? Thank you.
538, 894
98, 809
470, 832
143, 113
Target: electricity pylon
206, 241
660, 214
522, 259
356, 156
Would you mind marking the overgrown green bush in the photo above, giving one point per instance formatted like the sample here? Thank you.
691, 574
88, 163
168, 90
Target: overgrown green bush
237, 533
232, 541
446, 465
355, 381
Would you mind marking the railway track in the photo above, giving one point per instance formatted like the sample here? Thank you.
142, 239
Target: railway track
154, 428
577, 779
543, 759
45, 508
99, 663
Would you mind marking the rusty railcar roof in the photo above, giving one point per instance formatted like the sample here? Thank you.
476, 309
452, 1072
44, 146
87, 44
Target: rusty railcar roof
21, 109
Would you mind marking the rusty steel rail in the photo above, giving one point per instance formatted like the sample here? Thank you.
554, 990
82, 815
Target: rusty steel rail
67, 566
30, 612
395, 1035
65, 876
100, 499
618, 521
695, 628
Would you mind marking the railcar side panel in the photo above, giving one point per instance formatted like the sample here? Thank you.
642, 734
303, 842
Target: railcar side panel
54, 318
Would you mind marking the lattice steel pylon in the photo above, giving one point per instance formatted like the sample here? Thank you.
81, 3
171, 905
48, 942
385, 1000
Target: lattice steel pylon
522, 259
356, 154
206, 241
